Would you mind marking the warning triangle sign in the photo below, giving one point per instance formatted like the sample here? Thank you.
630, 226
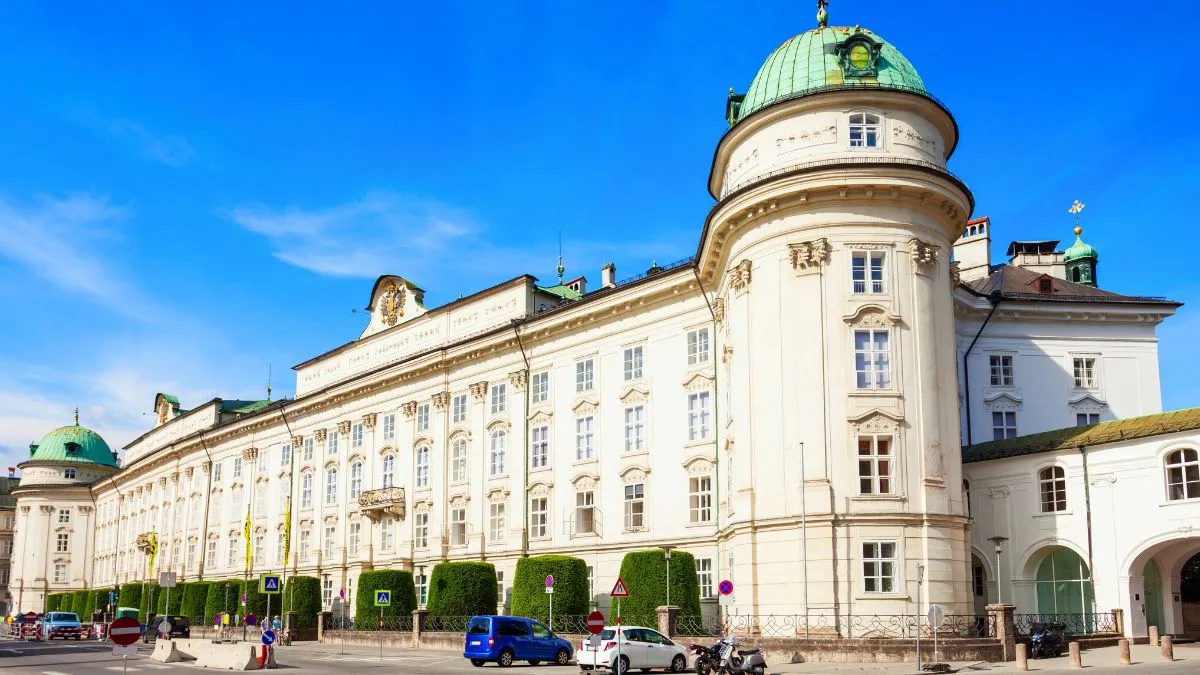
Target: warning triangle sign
272, 584
619, 590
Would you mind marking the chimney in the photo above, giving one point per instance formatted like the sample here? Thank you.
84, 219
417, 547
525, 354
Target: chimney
972, 251
12, 472
608, 276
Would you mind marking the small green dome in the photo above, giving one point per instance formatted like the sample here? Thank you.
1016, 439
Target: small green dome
1080, 250
826, 59
74, 445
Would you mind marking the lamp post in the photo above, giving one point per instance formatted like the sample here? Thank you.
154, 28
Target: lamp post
998, 542
667, 556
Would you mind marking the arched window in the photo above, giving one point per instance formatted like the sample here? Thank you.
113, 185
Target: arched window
458, 461
864, 130
356, 476
1052, 484
1064, 585
331, 486
1183, 474
423, 466
499, 438
389, 471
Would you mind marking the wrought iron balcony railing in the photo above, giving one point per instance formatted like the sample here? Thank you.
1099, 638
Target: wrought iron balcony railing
376, 504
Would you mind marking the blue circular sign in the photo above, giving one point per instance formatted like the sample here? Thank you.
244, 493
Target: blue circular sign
251, 619
268, 637
726, 587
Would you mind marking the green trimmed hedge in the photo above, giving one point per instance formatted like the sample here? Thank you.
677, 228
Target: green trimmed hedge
571, 592
462, 589
404, 596
53, 600
176, 599
79, 603
89, 604
645, 574
303, 595
130, 595
256, 603
216, 598
194, 597
149, 604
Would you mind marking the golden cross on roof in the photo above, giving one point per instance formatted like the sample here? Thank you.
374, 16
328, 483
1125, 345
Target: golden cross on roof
1076, 208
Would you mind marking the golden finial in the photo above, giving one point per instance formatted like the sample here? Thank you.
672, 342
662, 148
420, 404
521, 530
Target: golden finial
822, 14
1078, 230
76, 416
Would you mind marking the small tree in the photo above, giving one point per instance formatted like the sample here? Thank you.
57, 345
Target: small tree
462, 589
256, 603
174, 595
53, 600
571, 592
79, 604
130, 595
404, 596
218, 595
89, 604
194, 598
645, 575
303, 596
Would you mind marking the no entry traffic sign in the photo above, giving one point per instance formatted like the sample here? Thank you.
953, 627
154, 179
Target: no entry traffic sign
595, 623
125, 631
30, 617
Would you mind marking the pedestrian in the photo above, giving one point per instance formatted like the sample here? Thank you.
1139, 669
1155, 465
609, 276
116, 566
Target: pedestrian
276, 624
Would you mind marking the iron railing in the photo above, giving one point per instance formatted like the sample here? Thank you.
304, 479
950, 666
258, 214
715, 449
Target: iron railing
447, 624
866, 626
392, 623
1085, 623
699, 626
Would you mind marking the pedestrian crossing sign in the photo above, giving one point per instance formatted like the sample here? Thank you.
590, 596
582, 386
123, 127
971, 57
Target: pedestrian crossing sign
383, 598
269, 584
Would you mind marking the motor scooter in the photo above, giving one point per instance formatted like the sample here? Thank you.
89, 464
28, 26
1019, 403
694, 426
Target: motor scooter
740, 661
707, 658
1046, 640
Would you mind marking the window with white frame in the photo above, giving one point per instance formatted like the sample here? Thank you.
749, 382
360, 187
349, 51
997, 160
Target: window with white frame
1084, 419
866, 272
356, 480
698, 416
500, 594
458, 461
327, 593
389, 471
1004, 424
64, 515
1084, 368
259, 549
1001, 367
260, 506
355, 533
60, 573
496, 456
539, 387
458, 409
495, 523
585, 512
331, 483
237, 468
210, 554
423, 417
700, 499
387, 532
1183, 474
309, 443
704, 575
635, 425
305, 543
330, 540
872, 360
539, 517
306, 489
864, 130
633, 363
285, 455
1052, 486
263, 460
458, 526
875, 465
234, 545
62, 543
280, 544
423, 466
332, 443
421, 531
879, 566
697, 346
499, 398
539, 447
422, 589
635, 506
584, 376
389, 426
217, 467
585, 437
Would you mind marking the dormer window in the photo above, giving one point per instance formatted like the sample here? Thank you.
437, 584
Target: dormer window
864, 130
1044, 285
72, 448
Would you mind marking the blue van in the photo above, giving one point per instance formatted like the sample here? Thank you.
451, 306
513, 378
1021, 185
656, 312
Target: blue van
505, 639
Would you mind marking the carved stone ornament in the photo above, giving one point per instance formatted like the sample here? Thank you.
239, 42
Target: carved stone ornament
876, 421
391, 303
479, 391
635, 396
517, 380
162, 481
248, 455
923, 256
719, 310
999, 491
441, 400
320, 435
1003, 401
871, 316
497, 496
368, 420
297, 442
697, 382
343, 427
409, 409
46, 508
739, 276
955, 274
631, 475
375, 504
585, 407
727, 354
810, 257
191, 470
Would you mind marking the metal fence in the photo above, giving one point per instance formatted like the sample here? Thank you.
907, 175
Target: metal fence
1086, 623
866, 626
699, 626
393, 623
447, 624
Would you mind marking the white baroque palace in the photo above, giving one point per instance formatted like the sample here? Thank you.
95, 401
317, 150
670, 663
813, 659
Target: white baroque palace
790, 405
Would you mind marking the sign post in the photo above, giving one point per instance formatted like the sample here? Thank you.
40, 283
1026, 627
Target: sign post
936, 616
124, 632
619, 590
382, 599
595, 625
166, 580
243, 616
550, 592
268, 585
342, 623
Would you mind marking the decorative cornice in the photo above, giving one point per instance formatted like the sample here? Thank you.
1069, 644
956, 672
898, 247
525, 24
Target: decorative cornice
923, 256
809, 257
740, 275
479, 391
697, 382
871, 316
635, 396
585, 407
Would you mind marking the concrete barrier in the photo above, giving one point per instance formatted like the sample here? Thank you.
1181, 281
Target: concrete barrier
165, 651
228, 656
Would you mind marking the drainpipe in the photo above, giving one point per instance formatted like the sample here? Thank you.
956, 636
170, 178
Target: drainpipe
717, 422
994, 297
516, 325
1087, 503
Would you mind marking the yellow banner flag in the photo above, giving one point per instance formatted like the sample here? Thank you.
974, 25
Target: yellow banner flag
246, 534
287, 533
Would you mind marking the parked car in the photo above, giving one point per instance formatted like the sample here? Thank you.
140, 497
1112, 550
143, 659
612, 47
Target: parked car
179, 628
505, 639
61, 625
642, 648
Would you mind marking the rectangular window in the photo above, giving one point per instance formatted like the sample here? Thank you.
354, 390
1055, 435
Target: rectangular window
866, 272
237, 468
499, 398
355, 534
63, 543
585, 438
260, 549
285, 455
217, 467
1085, 372
1084, 419
327, 593
458, 408
389, 471
331, 443
1052, 484
423, 417
279, 541
60, 573
584, 376
64, 515
700, 499
496, 523
585, 512
500, 591
305, 543
635, 507
496, 456
458, 527
356, 480
1004, 425
635, 425
879, 566
260, 508
263, 460
704, 575
458, 462
1001, 366
232, 550
422, 466
698, 416
387, 534
330, 540
210, 555
864, 130
633, 363
977, 582
539, 517
875, 465
421, 531
422, 589
308, 449
539, 448
697, 346
331, 479
872, 359
306, 487
69, 472
389, 427
539, 387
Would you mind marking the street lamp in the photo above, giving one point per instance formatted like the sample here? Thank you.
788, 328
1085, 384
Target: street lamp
999, 544
667, 556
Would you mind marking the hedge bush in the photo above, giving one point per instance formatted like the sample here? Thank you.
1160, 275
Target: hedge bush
218, 595
462, 589
256, 603
89, 604
571, 592
79, 603
176, 599
645, 574
149, 604
303, 596
194, 597
52, 602
130, 595
404, 596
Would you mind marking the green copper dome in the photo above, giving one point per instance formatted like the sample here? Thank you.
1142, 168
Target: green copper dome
824, 59
73, 444
1080, 250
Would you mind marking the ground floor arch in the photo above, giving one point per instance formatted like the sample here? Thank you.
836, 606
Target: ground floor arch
1164, 587
1063, 583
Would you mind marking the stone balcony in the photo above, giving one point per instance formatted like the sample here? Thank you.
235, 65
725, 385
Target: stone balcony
376, 504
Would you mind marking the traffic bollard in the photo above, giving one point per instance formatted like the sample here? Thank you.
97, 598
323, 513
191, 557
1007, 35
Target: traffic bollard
1168, 648
1022, 657
1076, 659
1153, 636
1123, 646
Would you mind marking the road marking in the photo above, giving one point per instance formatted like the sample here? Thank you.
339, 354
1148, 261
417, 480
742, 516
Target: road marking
52, 672
120, 668
155, 666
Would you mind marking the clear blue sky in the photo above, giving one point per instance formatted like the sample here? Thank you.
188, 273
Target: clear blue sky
188, 195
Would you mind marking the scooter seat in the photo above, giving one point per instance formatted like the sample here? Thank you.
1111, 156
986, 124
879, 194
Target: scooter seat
748, 652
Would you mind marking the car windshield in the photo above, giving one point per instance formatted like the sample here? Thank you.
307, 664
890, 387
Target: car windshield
480, 625
62, 617
607, 634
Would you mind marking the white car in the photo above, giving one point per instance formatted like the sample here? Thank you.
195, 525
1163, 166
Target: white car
642, 648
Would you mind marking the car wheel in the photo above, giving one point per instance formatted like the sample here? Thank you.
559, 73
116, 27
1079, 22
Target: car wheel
758, 670
679, 663
622, 666
506, 658
563, 657
478, 663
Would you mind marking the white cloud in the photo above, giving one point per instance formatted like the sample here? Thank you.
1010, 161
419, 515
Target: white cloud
165, 148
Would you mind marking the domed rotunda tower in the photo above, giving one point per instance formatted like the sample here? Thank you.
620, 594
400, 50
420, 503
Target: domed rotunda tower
828, 253
55, 510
